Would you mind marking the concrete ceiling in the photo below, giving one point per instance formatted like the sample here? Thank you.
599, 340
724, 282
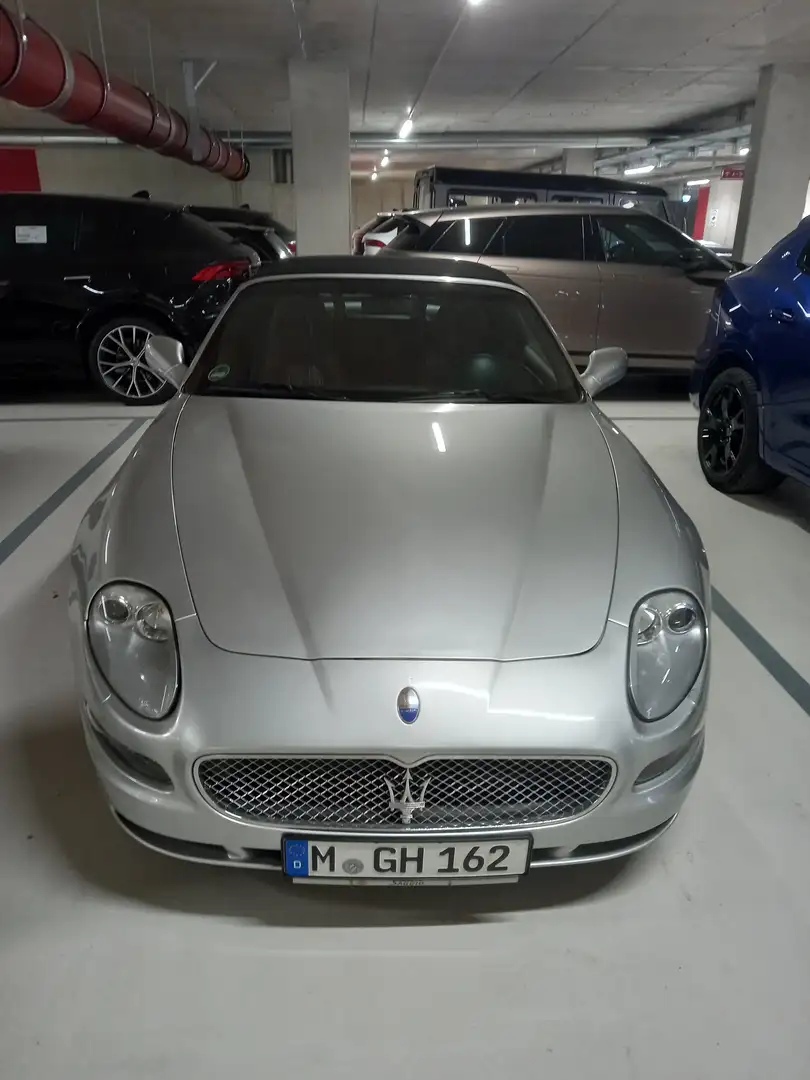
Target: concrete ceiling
534, 65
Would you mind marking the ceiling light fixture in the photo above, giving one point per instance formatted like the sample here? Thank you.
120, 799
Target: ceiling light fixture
698, 183
745, 150
406, 129
474, 3
375, 174
386, 161
639, 170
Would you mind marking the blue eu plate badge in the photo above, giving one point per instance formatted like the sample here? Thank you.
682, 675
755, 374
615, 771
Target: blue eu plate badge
296, 858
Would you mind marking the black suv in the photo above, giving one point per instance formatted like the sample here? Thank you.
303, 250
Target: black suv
89, 280
271, 240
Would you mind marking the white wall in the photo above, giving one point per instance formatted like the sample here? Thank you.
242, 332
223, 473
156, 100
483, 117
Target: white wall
123, 170
722, 211
369, 197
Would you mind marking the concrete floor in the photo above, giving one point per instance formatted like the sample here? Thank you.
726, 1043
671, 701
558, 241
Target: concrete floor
693, 960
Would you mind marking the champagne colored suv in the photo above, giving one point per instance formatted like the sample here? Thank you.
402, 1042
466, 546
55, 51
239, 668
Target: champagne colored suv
602, 275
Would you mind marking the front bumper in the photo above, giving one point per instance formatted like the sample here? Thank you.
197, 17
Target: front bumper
263, 706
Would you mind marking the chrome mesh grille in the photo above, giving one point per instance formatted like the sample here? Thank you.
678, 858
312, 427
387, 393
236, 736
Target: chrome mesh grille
351, 793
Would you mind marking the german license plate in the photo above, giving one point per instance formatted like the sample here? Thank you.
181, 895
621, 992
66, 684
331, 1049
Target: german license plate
395, 862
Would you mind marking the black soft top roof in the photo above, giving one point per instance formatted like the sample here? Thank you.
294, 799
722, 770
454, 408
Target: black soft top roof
382, 266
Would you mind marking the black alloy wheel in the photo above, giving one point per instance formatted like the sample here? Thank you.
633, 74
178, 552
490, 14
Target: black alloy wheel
728, 436
722, 430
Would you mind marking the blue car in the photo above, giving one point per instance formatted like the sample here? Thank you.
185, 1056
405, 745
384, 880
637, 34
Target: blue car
751, 380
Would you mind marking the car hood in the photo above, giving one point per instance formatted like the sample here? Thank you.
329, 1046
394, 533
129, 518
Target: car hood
315, 530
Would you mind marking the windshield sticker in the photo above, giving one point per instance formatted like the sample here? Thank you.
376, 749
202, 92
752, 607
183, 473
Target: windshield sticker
221, 371
31, 234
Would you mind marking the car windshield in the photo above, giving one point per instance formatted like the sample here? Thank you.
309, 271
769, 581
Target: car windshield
384, 339
266, 246
646, 241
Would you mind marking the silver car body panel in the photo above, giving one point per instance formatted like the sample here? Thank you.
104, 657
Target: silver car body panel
364, 541
300, 545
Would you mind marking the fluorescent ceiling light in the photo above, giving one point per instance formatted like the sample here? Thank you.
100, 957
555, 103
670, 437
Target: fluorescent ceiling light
686, 198
406, 129
745, 150
639, 170
474, 3
374, 175
386, 161
698, 183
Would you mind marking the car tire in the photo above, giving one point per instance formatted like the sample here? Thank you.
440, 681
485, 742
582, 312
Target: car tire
116, 365
728, 437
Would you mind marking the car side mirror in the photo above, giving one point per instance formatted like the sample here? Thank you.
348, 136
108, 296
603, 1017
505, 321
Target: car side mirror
709, 275
165, 357
605, 367
692, 260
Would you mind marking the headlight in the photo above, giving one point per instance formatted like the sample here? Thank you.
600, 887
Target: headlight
667, 646
132, 639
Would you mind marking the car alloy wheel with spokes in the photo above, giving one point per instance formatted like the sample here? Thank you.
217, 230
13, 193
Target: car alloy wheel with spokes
728, 436
722, 430
121, 363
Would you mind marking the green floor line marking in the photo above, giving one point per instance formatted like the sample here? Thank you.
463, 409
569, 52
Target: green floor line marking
794, 684
19, 535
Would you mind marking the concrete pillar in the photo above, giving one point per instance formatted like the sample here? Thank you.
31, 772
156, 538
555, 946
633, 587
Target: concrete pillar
579, 161
319, 114
777, 169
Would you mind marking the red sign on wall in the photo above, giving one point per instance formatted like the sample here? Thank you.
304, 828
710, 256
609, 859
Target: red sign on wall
18, 170
732, 173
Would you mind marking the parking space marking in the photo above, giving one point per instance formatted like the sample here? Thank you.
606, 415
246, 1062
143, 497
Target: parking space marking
21, 533
794, 684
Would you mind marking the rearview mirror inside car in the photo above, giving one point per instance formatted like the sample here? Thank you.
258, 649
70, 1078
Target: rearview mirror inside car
605, 367
165, 357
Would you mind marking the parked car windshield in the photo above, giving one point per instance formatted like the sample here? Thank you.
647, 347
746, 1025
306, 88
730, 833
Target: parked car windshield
262, 241
643, 240
384, 339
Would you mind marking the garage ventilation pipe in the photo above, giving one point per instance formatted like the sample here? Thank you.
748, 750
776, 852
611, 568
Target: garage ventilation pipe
37, 71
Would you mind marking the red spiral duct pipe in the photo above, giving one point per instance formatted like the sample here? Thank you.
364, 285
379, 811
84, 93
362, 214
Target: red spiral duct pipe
36, 70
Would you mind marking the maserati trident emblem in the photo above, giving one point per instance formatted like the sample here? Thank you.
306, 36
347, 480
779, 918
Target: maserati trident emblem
407, 805
408, 705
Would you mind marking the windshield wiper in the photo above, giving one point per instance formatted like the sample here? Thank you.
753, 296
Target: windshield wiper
277, 390
475, 395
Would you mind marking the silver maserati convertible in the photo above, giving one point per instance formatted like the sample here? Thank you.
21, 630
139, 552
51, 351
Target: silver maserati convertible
382, 597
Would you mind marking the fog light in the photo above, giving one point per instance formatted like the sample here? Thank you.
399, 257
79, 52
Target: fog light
137, 766
664, 764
